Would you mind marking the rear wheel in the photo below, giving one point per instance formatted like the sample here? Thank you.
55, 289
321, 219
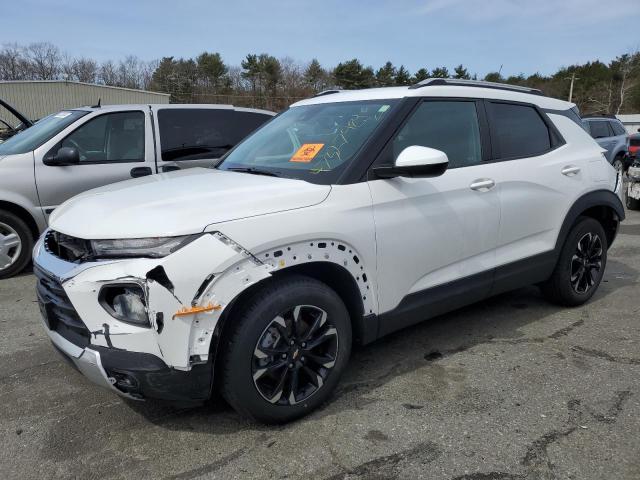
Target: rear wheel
581, 264
618, 165
16, 243
286, 350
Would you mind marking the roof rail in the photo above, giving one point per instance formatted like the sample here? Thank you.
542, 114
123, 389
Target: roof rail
326, 92
475, 83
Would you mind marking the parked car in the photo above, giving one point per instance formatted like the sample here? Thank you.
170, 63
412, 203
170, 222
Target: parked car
611, 135
349, 216
634, 147
633, 185
11, 121
75, 150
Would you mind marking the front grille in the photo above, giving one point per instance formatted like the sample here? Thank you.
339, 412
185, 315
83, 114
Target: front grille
68, 248
58, 311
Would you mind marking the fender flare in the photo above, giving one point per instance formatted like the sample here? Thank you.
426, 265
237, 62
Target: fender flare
596, 198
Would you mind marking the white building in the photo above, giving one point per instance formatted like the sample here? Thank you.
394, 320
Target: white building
631, 122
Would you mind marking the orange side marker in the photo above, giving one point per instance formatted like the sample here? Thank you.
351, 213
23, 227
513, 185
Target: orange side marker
183, 312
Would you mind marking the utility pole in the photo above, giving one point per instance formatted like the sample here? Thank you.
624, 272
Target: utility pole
573, 79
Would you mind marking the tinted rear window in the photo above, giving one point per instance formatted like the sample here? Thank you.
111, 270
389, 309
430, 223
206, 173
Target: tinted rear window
618, 129
190, 134
518, 130
600, 129
634, 142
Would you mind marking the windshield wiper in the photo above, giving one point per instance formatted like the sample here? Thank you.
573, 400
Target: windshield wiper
253, 171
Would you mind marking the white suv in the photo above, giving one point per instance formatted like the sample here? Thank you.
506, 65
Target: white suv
349, 216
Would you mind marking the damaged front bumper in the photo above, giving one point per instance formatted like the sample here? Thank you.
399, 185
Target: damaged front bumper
167, 359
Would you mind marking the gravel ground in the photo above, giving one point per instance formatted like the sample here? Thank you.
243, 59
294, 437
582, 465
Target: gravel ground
511, 388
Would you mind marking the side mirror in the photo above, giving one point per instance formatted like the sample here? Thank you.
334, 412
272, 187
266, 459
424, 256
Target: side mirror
416, 161
64, 157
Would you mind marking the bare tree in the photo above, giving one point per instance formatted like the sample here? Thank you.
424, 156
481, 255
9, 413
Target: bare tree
85, 70
108, 73
626, 68
45, 59
13, 62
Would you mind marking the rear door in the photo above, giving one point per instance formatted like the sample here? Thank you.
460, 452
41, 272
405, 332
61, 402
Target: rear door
113, 146
538, 180
603, 134
198, 136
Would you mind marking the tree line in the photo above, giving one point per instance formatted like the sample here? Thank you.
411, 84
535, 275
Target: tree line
264, 81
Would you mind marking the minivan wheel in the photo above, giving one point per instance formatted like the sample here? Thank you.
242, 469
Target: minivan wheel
581, 265
16, 243
286, 349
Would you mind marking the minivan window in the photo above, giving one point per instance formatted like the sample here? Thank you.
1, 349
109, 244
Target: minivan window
112, 137
449, 126
518, 131
618, 129
190, 133
600, 129
40, 132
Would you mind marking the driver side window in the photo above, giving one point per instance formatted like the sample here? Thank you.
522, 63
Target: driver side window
113, 137
449, 126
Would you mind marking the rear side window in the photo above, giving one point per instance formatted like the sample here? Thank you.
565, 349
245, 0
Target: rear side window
191, 134
600, 129
618, 129
518, 131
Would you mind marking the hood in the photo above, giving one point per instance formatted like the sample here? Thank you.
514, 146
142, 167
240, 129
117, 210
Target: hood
179, 203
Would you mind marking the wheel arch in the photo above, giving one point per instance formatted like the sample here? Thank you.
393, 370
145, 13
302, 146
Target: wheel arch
601, 205
23, 214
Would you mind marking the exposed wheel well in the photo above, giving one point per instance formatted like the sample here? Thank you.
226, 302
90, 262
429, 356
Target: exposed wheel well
607, 218
23, 214
335, 276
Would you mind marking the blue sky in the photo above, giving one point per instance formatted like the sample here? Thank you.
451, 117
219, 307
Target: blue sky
522, 35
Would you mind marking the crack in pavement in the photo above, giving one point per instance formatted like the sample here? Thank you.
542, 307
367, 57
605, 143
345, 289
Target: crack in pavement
592, 352
387, 467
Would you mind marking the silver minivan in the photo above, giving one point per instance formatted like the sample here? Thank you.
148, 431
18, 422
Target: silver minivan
75, 150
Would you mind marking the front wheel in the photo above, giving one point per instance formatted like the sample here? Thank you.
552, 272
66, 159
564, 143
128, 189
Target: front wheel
581, 265
286, 350
16, 243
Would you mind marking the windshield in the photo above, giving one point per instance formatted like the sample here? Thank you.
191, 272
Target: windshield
40, 132
311, 142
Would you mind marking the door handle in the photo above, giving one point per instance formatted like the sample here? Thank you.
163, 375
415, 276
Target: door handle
570, 170
170, 168
482, 184
140, 172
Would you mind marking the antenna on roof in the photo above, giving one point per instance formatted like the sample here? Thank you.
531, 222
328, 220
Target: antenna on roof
98, 105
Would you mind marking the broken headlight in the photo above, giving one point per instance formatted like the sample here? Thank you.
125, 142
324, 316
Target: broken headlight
125, 302
155, 247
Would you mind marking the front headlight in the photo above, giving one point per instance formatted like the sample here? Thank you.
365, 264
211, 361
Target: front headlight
155, 247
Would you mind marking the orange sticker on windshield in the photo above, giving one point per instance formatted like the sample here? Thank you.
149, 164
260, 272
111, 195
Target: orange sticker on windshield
306, 152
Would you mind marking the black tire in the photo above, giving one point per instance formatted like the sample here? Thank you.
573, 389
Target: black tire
632, 203
618, 164
10, 223
254, 322
561, 286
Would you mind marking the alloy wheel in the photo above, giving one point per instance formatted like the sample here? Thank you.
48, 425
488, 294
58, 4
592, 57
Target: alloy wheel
10, 246
294, 355
586, 263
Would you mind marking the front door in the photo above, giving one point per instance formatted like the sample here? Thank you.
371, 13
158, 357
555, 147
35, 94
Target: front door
433, 231
112, 147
